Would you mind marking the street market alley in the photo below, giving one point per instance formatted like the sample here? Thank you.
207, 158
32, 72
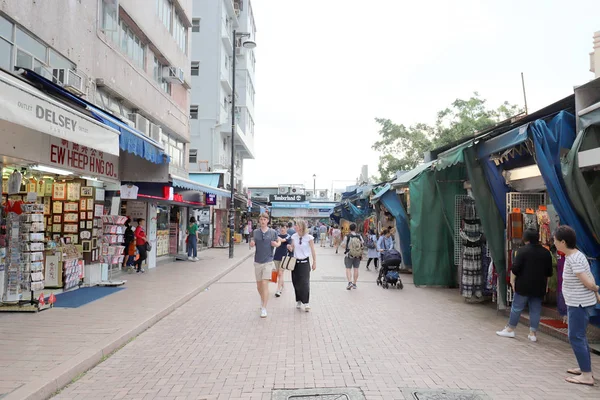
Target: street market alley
388, 343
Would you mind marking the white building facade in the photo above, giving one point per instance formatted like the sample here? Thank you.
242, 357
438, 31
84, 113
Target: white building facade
213, 23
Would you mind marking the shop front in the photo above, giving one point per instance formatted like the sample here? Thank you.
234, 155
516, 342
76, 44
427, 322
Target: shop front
53, 196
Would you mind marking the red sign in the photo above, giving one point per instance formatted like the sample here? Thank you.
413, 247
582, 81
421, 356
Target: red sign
82, 159
41, 300
52, 299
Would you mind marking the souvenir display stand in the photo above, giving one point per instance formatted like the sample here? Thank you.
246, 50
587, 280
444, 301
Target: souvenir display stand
24, 257
113, 228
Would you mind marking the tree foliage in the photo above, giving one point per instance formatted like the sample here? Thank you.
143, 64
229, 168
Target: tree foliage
402, 147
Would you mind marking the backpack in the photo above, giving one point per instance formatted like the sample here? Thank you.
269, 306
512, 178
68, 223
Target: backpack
355, 247
371, 243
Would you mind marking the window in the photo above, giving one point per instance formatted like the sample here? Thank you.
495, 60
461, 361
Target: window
196, 25
158, 76
195, 68
193, 158
132, 46
5, 54
174, 24
194, 112
58, 61
29, 44
6, 28
110, 19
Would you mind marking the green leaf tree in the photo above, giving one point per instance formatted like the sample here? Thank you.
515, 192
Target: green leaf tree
402, 147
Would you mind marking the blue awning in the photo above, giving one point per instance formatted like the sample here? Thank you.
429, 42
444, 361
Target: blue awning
505, 141
206, 179
191, 185
130, 140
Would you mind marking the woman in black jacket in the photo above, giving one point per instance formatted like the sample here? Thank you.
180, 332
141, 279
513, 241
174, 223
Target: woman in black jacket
128, 238
529, 279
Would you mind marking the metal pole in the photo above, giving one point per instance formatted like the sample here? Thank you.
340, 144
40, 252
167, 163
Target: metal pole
524, 94
232, 179
314, 186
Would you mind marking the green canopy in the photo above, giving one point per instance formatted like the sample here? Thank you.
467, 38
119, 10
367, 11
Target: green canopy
405, 179
452, 157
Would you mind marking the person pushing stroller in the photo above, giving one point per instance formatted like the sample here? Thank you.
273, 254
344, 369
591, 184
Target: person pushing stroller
389, 274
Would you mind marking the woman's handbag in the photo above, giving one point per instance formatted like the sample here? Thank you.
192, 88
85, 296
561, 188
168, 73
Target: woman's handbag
148, 246
288, 263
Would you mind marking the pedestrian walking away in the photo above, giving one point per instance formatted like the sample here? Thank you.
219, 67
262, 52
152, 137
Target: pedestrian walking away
247, 231
372, 250
353, 245
141, 244
192, 240
281, 252
290, 228
264, 239
323, 235
303, 247
581, 296
529, 279
337, 238
128, 239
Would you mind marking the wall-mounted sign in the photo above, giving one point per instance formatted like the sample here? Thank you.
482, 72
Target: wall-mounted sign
85, 160
288, 198
211, 199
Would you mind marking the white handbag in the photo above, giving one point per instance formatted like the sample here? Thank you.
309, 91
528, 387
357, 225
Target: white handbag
288, 263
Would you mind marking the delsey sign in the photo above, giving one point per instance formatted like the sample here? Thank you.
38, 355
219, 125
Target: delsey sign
290, 198
55, 118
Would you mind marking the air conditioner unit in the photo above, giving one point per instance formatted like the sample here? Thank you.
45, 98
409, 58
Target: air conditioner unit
129, 122
69, 79
322, 194
173, 74
141, 123
284, 190
309, 194
155, 132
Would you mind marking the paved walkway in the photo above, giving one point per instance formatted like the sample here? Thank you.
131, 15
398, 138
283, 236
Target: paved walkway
381, 341
40, 353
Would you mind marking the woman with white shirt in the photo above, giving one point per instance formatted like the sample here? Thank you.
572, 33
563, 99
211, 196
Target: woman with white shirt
303, 246
581, 295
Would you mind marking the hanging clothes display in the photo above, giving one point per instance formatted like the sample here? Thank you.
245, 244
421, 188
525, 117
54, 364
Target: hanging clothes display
544, 225
472, 274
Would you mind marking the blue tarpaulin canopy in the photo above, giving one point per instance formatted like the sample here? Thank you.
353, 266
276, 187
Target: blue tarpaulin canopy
191, 185
211, 180
505, 141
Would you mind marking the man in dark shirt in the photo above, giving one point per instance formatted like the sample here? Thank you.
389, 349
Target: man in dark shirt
529, 279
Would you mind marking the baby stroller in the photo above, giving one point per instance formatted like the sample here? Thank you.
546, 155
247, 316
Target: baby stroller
389, 274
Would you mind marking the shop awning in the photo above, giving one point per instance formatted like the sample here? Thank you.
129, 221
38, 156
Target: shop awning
505, 141
22, 104
191, 185
405, 179
452, 157
130, 140
208, 179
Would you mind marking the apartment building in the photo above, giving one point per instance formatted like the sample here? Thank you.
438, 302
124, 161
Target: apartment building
595, 55
129, 57
213, 23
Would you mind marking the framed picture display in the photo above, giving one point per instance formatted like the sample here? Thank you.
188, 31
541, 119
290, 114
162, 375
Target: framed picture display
82, 215
47, 204
95, 255
98, 210
70, 228
57, 219
59, 191
87, 191
89, 225
82, 224
96, 223
85, 235
56, 228
48, 187
57, 207
90, 215
71, 207
94, 243
99, 194
67, 240
82, 204
73, 238
73, 191
95, 233
90, 204
87, 246
71, 217
56, 238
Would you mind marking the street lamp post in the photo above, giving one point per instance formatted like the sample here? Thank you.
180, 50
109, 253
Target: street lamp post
314, 185
249, 45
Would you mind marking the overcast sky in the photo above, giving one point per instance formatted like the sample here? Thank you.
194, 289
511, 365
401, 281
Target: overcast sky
327, 68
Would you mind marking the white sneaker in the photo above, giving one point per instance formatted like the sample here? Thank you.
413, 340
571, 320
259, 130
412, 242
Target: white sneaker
505, 333
263, 312
307, 307
298, 305
190, 259
533, 338
196, 259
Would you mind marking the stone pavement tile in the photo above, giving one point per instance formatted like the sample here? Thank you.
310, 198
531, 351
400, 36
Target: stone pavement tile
58, 337
383, 341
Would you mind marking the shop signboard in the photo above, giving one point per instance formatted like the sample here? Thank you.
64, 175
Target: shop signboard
23, 105
136, 209
211, 199
81, 159
287, 198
